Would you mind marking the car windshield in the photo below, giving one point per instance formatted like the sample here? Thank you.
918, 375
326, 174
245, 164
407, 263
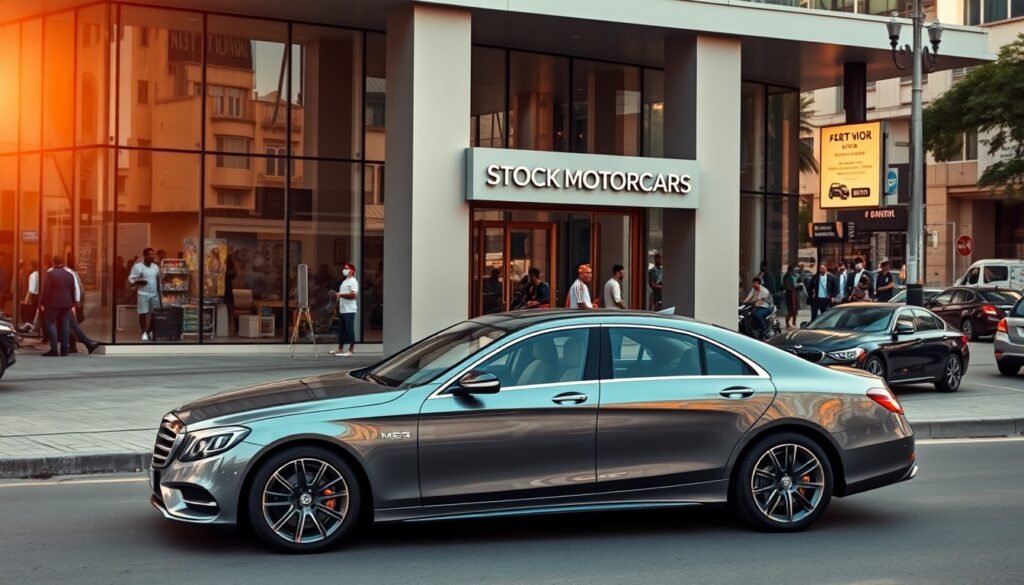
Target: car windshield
1002, 297
428, 359
1018, 310
866, 319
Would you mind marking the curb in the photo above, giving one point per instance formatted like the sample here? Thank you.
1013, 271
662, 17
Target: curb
88, 464
85, 464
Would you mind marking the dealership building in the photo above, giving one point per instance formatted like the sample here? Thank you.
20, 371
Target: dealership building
443, 148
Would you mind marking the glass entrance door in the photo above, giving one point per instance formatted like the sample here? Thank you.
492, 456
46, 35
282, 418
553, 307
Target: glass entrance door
504, 253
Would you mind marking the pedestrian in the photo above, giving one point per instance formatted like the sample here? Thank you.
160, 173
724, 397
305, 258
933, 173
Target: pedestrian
613, 288
859, 273
540, 291
769, 281
885, 283
348, 306
842, 277
30, 304
761, 298
654, 280
78, 312
492, 292
579, 292
57, 297
145, 277
791, 284
861, 292
822, 291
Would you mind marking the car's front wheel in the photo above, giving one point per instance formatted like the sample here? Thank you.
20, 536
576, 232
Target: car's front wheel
875, 366
304, 499
952, 374
783, 484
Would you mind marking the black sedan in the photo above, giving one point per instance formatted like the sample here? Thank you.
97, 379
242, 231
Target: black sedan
8, 341
975, 311
898, 343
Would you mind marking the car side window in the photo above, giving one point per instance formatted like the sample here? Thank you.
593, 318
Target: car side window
722, 363
972, 276
652, 353
923, 321
906, 318
961, 296
943, 298
996, 272
549, 358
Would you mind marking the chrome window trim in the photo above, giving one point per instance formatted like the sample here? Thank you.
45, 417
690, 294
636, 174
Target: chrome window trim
896, 318
759, 372
440, 392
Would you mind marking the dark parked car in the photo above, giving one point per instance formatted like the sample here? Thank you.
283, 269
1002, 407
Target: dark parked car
898, 343
8, 342
535, 413
975, 311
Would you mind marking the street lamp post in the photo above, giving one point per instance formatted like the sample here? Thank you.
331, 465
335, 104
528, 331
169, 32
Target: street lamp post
918, 58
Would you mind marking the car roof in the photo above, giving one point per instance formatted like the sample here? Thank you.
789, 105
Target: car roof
515, 320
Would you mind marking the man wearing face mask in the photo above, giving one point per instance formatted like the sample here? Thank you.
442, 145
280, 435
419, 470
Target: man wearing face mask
348, 305
859, 272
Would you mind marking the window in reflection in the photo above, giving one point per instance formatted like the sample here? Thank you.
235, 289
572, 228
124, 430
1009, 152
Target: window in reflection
538, 101
487, 107
93, 243
606, 108
376, 90
326, 91
94, 81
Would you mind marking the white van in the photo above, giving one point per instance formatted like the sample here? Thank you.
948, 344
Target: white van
1001, 273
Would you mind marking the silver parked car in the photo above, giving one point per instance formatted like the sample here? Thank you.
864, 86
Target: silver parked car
535, 412
1009, 341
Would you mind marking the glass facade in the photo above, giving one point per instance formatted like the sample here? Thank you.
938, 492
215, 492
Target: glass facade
237, 148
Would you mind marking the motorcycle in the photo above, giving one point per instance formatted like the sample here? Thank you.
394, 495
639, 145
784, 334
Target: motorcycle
10, 324
748, 327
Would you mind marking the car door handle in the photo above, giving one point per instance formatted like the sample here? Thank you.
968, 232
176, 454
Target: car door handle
737, 392
570, 398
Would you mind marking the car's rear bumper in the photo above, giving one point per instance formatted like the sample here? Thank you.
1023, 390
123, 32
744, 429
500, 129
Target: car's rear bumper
876, 456
1006, 349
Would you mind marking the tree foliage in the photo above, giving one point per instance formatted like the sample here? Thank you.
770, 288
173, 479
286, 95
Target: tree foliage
990, 99
808, 162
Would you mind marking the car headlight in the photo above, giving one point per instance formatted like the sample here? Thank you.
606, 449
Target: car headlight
5, 328
210, 442
846, 355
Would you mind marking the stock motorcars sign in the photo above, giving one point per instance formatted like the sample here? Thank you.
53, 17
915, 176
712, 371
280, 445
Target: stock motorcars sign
851, 165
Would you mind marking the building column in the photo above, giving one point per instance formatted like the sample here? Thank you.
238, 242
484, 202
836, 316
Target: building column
426, 234
702, 122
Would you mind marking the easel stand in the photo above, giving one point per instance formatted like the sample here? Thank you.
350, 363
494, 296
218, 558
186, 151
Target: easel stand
303, 317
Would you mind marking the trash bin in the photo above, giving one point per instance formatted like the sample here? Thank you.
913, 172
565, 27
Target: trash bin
167, 323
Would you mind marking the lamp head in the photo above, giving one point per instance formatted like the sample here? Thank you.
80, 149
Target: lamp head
935, 35
893, 26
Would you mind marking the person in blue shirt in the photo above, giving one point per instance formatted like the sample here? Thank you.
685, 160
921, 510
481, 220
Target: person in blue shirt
540, 291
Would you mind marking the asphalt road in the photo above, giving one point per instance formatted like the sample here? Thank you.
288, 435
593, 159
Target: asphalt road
957, 523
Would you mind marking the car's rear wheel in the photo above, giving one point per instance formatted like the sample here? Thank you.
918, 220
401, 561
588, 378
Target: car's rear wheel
1008, 368
303, 500
952, 374
875, 366
783, 484
967, 328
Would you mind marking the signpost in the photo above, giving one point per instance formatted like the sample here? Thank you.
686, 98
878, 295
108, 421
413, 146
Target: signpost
851, 165
964, 245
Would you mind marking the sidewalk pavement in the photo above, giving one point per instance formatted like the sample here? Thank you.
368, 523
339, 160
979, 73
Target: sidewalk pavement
93, 414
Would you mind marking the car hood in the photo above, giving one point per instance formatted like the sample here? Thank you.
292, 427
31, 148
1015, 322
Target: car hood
820, 339
307, 394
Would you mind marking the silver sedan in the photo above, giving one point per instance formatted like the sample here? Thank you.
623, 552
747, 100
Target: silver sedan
1009, 341
531, 413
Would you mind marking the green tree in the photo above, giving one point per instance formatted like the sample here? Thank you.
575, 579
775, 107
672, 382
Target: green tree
808, 163
990, 99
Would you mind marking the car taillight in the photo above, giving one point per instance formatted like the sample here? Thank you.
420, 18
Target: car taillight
885, 397
989, 310
963, 340
1002, 326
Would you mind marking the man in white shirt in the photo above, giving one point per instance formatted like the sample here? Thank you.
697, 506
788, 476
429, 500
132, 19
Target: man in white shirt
613, 288
842, 280
579, 292
145, 276
761, 298
348, 306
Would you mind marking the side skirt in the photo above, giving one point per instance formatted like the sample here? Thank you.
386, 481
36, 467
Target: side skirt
711, 492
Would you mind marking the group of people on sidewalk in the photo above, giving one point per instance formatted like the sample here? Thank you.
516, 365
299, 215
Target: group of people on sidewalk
849, 283
55, 298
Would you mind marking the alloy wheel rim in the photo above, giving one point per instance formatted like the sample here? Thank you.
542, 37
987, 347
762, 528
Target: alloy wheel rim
788, 483
305, 501
953, 372
968, 329
875, 367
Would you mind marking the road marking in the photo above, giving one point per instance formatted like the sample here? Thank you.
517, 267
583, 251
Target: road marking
72, 482
962, 441
997, 387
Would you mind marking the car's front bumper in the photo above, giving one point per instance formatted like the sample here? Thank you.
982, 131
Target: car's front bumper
207, 491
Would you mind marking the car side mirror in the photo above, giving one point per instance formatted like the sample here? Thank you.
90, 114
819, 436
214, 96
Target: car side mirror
804, 324
477, 382
904, 329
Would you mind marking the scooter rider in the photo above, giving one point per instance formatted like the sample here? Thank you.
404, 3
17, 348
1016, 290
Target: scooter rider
762, 301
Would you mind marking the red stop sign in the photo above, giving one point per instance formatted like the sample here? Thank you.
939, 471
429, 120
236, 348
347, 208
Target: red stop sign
964, 245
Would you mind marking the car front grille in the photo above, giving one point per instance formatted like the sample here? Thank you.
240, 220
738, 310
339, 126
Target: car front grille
809, 355
166, 440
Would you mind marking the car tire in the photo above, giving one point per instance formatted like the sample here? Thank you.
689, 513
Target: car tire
876, 366
952, 374
967, 328
1008, 368
290, 515
769, 494
3, 363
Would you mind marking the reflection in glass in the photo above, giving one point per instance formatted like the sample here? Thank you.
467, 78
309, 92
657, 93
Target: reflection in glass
8, 227
93, 83
326, 91
28, 255
376, 89
783, 153
487, 98
10, 63
31, 84
58, 185
92, 257
752, 135
161, 77
59, 81
539, 106
654, 113
751, 240
606, 108
372, 266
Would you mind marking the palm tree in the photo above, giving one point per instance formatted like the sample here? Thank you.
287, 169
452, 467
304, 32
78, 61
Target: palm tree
808, 163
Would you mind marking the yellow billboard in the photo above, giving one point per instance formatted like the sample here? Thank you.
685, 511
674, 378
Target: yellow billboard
851, 165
